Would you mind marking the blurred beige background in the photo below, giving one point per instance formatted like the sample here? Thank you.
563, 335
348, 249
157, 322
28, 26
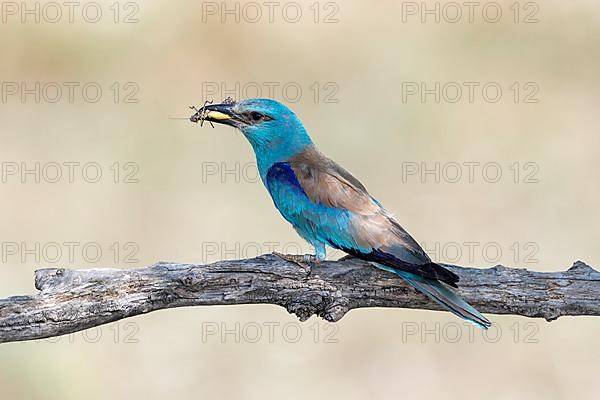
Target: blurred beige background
174, 200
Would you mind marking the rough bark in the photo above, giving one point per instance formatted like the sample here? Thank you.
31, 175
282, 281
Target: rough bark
74, 300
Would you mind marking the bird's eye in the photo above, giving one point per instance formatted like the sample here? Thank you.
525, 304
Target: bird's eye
256, 116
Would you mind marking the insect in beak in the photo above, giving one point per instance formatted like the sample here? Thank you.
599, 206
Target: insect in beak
201, 114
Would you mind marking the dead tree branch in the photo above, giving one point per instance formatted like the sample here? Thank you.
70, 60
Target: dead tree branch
74, 300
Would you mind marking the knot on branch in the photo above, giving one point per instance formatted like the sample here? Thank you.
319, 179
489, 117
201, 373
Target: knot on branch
322, 304
579, 267
49, 277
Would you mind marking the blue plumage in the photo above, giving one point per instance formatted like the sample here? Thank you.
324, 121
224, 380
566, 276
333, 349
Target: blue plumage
315, 222
282, 174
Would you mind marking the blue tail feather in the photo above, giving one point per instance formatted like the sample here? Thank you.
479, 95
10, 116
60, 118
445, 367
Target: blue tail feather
444, 296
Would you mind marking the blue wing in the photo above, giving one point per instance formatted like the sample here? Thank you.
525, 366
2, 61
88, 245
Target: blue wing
315, 222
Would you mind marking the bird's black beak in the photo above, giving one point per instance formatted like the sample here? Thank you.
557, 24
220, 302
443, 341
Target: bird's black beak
220, 113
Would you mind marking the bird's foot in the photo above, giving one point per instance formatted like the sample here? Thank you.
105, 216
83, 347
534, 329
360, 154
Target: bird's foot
301, 259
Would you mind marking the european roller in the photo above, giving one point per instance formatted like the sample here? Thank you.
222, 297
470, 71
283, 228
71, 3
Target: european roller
328, 206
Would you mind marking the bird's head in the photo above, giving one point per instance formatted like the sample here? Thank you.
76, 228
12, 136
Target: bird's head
273, 129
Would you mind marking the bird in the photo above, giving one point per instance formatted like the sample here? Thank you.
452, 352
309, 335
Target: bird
328, 206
